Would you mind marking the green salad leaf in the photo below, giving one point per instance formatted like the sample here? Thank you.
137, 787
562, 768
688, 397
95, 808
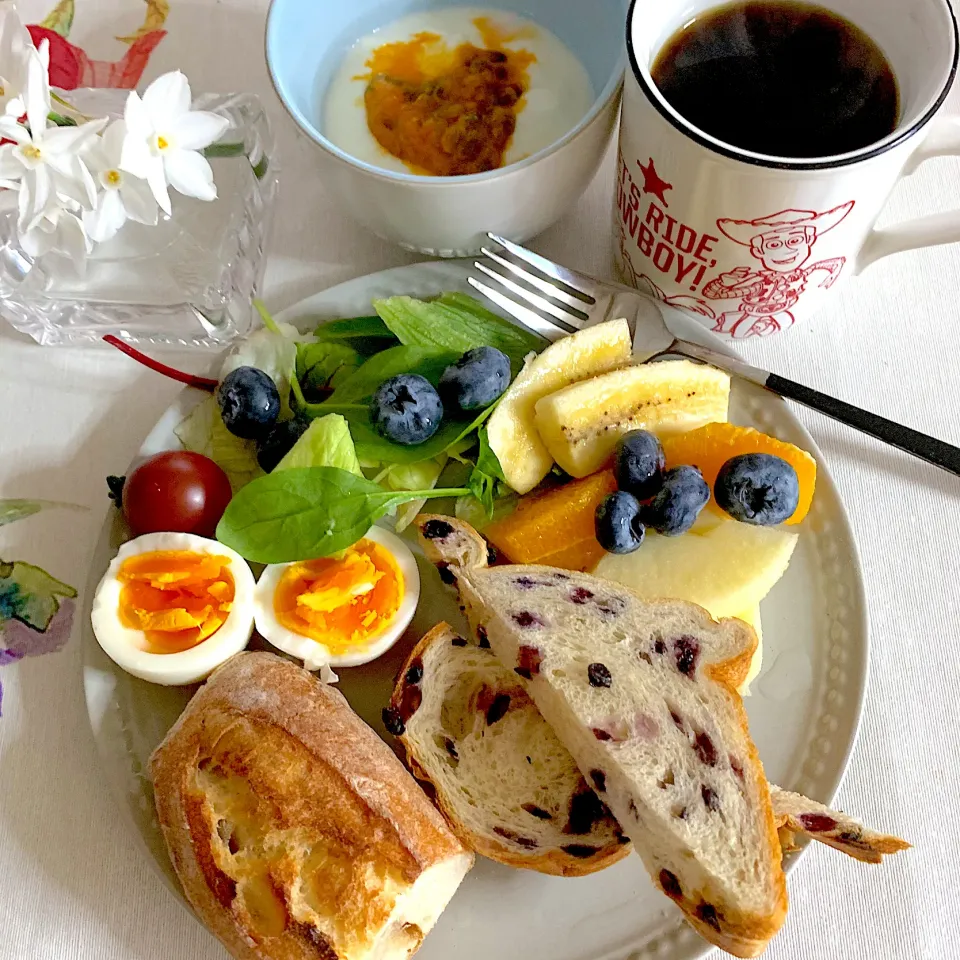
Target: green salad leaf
308, 512
455, 323
486, 479
324, 366
367, 335
422, 475
361, 386
202, 431
326, 443
371, 447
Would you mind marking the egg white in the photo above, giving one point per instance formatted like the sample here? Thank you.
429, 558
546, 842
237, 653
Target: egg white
314, 654
127, 647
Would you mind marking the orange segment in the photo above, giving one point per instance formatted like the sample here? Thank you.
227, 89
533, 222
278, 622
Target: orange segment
711, 446
556, 527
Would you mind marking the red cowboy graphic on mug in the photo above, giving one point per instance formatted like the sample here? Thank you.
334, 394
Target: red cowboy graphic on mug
783, 243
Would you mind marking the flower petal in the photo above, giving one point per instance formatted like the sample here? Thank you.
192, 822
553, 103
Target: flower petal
10, 167
190, 174
111, 142
138, 200
36, 187
136, 118
37, 94
157, 179
11, 130
72, 240
167, 98
104, 222
136, 156
71, 140
198, 129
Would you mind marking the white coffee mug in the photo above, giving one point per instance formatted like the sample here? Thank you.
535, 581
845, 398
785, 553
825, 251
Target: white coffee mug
751, 243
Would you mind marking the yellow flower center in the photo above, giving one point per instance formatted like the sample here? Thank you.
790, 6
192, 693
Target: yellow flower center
3, 90
162, 143
113, 177
31, 152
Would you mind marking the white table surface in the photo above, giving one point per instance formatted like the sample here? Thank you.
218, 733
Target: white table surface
72, 885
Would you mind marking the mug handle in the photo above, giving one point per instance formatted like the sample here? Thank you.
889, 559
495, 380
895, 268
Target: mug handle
943, 140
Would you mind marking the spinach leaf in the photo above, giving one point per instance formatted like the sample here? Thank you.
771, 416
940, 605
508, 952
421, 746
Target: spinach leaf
361, 386
308, 512
372, 447
321, 366
486, 480
366, 334
455, 323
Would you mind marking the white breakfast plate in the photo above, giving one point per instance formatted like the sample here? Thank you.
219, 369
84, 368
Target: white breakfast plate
804, 711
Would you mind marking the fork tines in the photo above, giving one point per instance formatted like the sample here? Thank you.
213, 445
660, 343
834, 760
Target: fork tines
540, 294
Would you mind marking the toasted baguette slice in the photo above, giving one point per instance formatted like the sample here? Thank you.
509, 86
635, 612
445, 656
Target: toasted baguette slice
511, 790
505, 783
796, 814
645, 694
295, 831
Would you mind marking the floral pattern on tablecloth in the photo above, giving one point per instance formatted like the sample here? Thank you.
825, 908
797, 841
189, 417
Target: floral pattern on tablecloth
36, 609
70, 67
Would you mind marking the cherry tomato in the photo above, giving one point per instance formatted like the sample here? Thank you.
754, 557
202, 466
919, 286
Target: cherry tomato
177, 491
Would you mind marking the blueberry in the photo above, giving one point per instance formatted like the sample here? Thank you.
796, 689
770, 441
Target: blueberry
638, 464
272, 448
476, 379
758, 488
249, 402
617, 523
406, 409
675, 508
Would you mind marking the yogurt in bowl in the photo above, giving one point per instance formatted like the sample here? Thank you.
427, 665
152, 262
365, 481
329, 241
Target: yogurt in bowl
439, 122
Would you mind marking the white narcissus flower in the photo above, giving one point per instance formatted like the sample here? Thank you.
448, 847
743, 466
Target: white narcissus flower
45, 159
122, 196
163, 139
15, 47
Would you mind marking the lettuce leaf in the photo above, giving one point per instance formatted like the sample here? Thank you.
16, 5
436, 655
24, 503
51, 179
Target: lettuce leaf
202, 431
326, 443
455, 323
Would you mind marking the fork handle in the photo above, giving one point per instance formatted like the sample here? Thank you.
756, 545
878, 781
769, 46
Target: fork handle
928, 448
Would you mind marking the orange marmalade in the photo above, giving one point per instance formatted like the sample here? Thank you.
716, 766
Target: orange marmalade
447, 112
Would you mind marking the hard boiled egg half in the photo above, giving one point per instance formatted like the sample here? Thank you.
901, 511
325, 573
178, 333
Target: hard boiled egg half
173, 606
343, 610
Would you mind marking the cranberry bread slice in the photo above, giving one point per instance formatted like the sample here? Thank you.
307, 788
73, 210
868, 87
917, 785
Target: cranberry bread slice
505, 783
645, 694
796, 814
511, 791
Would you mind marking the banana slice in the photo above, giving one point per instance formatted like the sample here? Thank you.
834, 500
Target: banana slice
580, 424
513, 437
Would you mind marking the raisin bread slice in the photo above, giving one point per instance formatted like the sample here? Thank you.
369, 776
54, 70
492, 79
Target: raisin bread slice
796, 814
644, 693
505, 783
511, 791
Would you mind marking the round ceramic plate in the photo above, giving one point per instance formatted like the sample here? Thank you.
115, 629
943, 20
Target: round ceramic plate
804, 709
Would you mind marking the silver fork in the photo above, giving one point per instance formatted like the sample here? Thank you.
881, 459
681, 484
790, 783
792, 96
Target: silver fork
555, 301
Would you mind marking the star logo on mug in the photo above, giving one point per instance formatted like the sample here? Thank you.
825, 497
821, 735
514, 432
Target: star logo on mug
653, 183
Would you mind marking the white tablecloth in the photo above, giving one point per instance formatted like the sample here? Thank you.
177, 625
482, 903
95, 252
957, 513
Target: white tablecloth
72, 885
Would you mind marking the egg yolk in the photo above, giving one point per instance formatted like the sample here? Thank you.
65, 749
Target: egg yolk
445, 112
342, 601
176, 598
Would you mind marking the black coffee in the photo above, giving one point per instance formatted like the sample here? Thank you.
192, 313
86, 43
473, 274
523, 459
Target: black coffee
782, 78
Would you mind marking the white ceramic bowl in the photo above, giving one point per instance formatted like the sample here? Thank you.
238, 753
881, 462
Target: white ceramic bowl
448, 216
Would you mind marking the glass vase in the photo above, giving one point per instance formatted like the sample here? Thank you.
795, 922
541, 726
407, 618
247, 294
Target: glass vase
188, 281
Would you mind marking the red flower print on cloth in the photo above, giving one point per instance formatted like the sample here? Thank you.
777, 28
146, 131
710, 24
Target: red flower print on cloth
70, 67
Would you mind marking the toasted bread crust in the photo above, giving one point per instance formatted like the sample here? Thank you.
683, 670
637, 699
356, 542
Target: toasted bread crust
553, 861
267, 748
